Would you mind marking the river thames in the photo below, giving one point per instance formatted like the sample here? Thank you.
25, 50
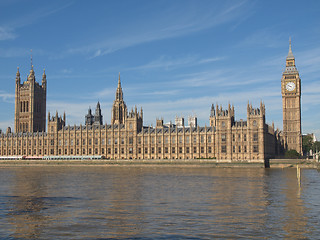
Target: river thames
90, 202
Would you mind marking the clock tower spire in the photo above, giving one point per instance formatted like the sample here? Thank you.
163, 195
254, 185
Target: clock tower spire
291, 104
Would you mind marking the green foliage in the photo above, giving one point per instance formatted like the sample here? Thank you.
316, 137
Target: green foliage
306, 144
316, 146
291, 154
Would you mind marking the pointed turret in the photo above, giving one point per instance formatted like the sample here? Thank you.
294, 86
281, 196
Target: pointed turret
30, 97
18, 79
31, 76
290, 61
44, 76
290, 54
97, 115
212, 113
119, 93
89, 117
119, 109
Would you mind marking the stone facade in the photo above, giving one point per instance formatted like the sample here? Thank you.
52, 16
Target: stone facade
291, 105
225, 139
126, 137
30, 103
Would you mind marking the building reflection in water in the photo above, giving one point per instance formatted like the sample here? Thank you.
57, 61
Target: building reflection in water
167, 202
286, 210
120, 204
295, 224
27, 204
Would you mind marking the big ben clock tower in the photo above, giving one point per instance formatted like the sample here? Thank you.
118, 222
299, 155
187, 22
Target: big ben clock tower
291, 104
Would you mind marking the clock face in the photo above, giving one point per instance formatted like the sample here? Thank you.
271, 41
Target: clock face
290, 86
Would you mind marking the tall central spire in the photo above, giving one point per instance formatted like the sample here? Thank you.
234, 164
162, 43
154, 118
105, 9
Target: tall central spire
119, 108
290, 54
119, 93
119, 82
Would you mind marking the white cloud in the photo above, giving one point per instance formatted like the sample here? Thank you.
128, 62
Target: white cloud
5, 124
166, 63
165, 92
20, 52
174, 23
75, 112
169, 63
264, 37
32, 16
6, 97
106, 92
66, 71
6, 34
208, 60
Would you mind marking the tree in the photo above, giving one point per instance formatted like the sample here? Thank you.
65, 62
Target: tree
316, 146
307, 144
291, 154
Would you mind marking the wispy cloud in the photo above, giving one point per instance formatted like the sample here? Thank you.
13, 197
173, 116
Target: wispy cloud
19, 52
8, 30
209, 60
175, 23
76, 111
222, 78
5, 124
6, 97
309, 60
106, 92
38, 13
201, 105
6, 34
168, 63
266, 37
162, 93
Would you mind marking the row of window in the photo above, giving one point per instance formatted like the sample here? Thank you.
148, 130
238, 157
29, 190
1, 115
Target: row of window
223, 124
122, 141
290, 127
146, 150
292, 140
24, 142
244, 137
24, 106
122, 151
239, 149
152, 140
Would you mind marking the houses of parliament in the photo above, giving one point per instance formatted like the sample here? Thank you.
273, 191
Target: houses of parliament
225, 139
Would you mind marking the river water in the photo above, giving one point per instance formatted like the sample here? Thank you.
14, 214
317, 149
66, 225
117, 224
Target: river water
90, 202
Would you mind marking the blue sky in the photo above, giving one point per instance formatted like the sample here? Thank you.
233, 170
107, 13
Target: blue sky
174, 57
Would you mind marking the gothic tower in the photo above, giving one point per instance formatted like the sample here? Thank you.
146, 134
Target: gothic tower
291, 104
119, 108
30, 103
97, 115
